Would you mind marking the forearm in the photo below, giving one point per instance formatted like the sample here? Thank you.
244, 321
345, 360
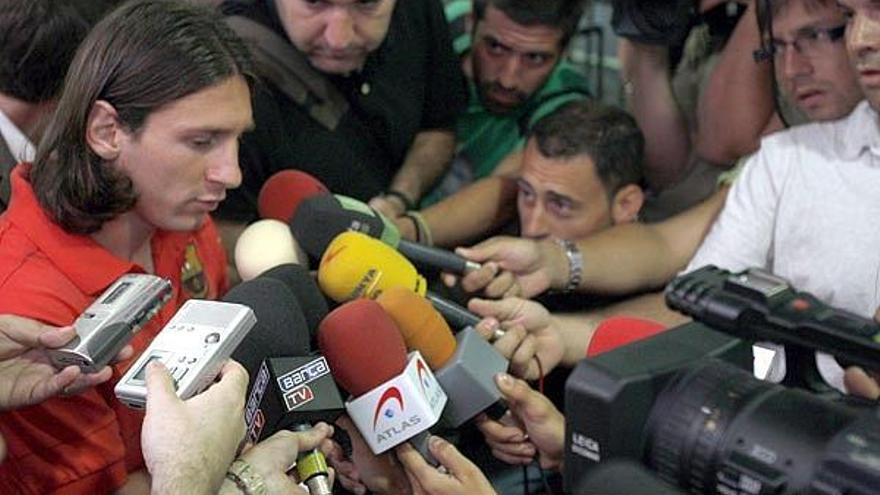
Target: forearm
184, 478
645, 70
576, 330
473, 212
728, 129
636, 257
427, 159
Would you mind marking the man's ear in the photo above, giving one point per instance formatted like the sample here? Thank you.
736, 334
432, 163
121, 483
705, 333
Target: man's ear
103, 130
626, 204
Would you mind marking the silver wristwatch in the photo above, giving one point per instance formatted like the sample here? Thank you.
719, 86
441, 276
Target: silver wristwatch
575, 264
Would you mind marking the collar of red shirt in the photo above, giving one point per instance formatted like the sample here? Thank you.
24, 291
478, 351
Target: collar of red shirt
90, 266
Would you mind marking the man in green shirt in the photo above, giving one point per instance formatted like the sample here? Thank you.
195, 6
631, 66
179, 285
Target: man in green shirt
511, 53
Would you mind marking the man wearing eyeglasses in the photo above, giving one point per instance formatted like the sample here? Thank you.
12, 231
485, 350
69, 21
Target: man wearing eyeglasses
805, 206
805, 45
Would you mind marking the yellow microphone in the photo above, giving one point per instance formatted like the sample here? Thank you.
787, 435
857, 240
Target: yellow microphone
356, 265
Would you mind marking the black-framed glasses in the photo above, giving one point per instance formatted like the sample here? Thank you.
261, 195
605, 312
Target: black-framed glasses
808, 41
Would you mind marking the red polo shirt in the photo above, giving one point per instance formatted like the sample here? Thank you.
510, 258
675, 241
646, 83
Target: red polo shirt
84, 444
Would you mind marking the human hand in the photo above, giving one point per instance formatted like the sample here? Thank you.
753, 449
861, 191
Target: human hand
531, 425
365, 470
27, 376
462, 475
212, 422
536, 266
530, 333
272, 458
390, 206
489, 279
862, 383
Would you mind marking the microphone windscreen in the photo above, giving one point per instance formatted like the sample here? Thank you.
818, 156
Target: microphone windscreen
303, 286
283, 192
362, 346
281, 328
619, 331
422, 327
389, 234
355, 265
263, 245
319, 219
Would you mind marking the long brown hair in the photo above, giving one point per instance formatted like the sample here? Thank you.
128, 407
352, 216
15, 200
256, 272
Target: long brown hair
144, 55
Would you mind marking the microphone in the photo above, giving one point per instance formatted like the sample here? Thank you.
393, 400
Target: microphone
457, 316
279, 327
263, 245
395, 398
420, 325
619, 331
356, 265
355, 213
319, 219
316, 217
284, 191
288, 388
464, 365
305, 290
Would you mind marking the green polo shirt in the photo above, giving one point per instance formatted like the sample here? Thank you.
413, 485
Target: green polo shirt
483, 139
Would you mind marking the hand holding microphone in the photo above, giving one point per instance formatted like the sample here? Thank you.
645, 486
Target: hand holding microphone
540, 337
273, 458
533, 265
28, 376
461, 474
532, 426
211, 422
290, 388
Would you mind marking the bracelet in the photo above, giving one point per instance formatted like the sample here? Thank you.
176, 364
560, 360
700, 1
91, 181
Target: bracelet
416, 227
575, 264
246, 479
407, 203
422, 229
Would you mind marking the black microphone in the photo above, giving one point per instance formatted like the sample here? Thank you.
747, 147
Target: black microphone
431, 257
457, 316
276, 331
288, 388
305, 290
320, 218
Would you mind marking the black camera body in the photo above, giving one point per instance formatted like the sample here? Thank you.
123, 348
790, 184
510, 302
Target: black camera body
609, 398
654, 22
686, 405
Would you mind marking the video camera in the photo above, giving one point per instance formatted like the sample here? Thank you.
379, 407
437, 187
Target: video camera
654, 22
686, 404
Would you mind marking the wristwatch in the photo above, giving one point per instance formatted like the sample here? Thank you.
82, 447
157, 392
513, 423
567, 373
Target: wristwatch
575, 264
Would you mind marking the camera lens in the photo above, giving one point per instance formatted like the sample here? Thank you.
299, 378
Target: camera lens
717, 429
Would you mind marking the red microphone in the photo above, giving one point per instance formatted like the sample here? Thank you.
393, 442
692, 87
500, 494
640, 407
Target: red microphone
362, 345
283, 192
619, 331
395, 399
